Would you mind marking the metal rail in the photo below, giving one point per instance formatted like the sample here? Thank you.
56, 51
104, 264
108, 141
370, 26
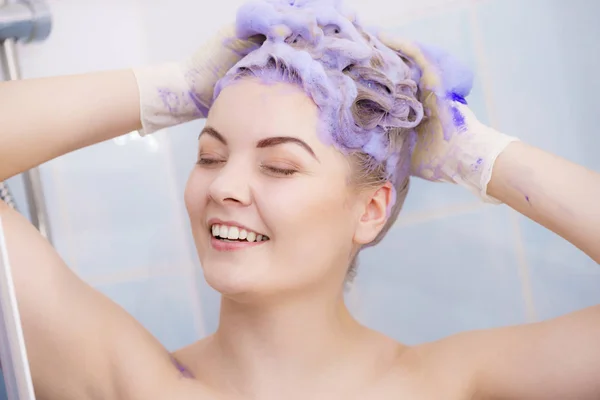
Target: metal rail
32, 179
26, 21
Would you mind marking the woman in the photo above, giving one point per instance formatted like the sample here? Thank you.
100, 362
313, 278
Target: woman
306, 204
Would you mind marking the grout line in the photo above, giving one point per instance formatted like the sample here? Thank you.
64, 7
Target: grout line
189, 269
482, 66
522, 263
181, 228
449, 211
130, 275
69, 233
523, 270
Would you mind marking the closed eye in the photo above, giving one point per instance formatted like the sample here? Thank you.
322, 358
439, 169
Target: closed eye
279, 171
268, 168
209, 161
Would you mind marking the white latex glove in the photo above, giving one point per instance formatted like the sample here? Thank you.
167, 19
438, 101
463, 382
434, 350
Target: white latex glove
451, 145
174, 93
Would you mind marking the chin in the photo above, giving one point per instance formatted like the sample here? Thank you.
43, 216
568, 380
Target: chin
236, 280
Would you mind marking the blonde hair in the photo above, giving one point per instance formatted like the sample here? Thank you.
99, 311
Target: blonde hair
373, 118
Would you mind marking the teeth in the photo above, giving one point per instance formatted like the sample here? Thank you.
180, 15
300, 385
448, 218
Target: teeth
235, 233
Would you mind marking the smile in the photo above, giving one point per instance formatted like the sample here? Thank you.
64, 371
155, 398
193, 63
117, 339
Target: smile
229, 233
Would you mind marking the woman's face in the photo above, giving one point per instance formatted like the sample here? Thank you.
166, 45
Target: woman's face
265, 176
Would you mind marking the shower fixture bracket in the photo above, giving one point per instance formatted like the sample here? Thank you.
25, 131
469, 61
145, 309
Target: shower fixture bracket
25, 20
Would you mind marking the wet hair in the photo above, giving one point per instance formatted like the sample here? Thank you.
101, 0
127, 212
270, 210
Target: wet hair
366, 93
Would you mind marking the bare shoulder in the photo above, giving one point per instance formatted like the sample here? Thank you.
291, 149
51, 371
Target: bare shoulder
453, 366
439, 369
434, 370
556, 358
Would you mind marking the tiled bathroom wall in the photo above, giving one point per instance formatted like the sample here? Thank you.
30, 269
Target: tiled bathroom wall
450, 264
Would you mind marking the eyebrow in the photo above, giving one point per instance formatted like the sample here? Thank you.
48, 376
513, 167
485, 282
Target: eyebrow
214, 133
263, 143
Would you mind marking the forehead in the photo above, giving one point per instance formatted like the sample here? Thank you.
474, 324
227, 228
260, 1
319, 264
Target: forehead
254, 109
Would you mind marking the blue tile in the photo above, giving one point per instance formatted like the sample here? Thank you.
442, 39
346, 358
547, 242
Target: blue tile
3, 394
563, 278
145, 245
424, 196
184, 147
543, 60
437, 278
161, 304
183, 142
543, 73
211, 305
126, 214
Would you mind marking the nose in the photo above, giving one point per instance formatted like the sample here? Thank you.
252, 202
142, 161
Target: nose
231, 186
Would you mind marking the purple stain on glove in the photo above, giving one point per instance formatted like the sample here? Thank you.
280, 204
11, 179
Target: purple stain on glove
457, 118
456, 82
456, 97
202, 109
170, 99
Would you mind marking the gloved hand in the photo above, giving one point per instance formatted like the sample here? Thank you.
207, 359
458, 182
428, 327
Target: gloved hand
174, 93
451, 144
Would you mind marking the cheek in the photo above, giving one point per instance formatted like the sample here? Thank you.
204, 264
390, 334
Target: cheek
311, 212
195, 195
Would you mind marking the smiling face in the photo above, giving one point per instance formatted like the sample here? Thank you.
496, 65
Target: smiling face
264, 173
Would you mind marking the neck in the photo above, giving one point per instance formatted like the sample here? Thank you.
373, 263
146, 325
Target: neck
265, 350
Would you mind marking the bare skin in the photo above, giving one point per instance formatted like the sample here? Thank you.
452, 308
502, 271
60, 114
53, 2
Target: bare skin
83, 346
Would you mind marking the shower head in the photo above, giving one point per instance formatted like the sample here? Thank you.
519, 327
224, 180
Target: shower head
25, 20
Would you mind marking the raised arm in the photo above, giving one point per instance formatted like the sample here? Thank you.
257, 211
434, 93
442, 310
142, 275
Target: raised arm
47, 117
558, 358
41, 119
454, 146
80, 344
558, 194
555, 359
75, 337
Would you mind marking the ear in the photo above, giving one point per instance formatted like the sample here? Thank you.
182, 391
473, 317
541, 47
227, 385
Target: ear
374, 214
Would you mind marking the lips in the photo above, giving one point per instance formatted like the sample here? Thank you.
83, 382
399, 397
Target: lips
230, 236
235, 233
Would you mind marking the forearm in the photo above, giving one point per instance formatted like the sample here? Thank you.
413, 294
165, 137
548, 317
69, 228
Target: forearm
558, 194
41, 119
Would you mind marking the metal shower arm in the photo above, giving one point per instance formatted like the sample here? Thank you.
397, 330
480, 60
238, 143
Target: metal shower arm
27, 20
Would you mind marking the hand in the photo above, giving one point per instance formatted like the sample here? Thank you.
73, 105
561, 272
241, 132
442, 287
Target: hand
174, 93
451, 145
